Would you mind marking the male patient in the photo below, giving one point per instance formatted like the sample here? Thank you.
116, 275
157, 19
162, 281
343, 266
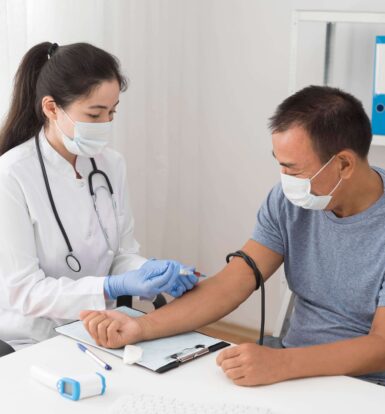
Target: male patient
325, 221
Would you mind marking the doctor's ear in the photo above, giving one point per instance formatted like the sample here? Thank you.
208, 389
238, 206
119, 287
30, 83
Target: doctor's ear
347, 163
49, 107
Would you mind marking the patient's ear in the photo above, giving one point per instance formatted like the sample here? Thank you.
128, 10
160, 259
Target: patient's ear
347, 160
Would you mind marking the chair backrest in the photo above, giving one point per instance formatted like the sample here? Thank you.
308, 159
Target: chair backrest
283, 320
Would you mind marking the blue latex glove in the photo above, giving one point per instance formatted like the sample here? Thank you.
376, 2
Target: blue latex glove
183, 283
154, 277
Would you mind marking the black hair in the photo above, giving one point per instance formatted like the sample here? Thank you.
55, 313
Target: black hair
66, 73
335, 120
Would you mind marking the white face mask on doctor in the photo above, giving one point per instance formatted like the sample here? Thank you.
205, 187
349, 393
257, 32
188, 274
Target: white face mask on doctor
298, 191
90, 138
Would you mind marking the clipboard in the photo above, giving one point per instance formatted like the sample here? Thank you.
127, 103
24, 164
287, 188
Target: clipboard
159, 355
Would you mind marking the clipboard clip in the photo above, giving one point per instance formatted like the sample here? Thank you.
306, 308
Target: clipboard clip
185, 356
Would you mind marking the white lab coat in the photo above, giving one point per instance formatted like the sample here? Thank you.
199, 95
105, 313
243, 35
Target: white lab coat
37, 289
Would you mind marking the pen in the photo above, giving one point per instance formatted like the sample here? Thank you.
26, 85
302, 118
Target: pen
94, 357
187, 272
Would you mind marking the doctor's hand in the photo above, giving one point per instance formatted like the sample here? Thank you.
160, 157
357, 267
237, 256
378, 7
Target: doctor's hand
112, 329
251, 364
183, 283
154, 277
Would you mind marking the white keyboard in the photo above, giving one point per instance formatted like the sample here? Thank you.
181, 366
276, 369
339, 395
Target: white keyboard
150, 404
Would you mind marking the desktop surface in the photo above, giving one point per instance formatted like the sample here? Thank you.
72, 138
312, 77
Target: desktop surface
200, 380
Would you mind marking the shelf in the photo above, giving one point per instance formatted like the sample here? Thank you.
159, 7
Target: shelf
338, 16
331, 18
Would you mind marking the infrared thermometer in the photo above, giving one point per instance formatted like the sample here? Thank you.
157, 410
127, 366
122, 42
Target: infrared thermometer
75, 387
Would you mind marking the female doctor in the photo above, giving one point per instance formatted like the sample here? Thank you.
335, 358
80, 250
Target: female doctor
66, 230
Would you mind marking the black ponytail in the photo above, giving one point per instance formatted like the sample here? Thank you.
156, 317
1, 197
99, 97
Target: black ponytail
22, 121
66, 73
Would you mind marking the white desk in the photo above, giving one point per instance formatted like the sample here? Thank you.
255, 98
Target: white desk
199, 380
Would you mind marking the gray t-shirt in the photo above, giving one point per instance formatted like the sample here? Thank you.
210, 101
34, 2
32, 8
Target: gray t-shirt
335, 266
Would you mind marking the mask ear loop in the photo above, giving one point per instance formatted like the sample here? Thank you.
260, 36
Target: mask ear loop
65, 113
57, 125
319, 172
339, 182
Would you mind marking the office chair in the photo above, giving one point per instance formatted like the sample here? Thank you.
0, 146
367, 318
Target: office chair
5, 349
158, 302
283, 322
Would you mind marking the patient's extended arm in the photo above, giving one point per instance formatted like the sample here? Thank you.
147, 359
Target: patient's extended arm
209, 301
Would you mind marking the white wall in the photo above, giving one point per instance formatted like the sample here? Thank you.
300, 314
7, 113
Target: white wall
245, 75
205, 77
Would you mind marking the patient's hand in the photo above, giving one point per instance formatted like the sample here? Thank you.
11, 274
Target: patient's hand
111, 329
252, 364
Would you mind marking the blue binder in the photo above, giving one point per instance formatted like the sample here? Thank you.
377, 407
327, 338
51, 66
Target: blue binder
378, 111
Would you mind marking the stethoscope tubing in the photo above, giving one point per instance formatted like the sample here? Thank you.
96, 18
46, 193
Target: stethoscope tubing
70, 257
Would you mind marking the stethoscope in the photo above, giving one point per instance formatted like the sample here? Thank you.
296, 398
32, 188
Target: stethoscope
72, 262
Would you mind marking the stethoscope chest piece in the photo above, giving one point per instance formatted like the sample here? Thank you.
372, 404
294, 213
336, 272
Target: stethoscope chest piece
73, 263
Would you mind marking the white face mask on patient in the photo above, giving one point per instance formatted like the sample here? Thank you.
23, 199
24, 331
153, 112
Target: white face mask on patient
298, 191
90, 138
